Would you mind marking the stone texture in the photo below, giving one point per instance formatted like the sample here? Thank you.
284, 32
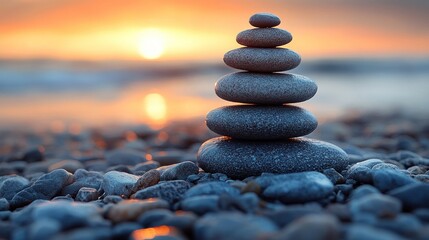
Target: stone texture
264, 37
263, 88
255, 122
170, 191
241, 159
296, 187
262, 59
10, 185
118, 183
264, 20
45, 187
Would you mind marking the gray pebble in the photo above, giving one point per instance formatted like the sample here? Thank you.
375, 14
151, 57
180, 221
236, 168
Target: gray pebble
265, 88
4, 204
123, 230
253, 122
44, 229
145, 166
363, 191
67, 214
212, 188
262, 59
412, 196
359, 232
264, 20
86, 194
69, 165
46, 187
130, 210
118, 183
334, 176
232, 226
381, 206
300, 188
361, 172
388, 179
171, 191
154, 217
179, 171
220, 155
10, 185
148, 179
264, 37
83, 178
201, 204
125, 156
315, 227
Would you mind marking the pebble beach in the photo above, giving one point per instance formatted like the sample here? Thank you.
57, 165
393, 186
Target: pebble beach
140, 183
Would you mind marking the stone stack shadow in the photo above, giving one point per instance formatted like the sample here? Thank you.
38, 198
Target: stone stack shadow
264, 133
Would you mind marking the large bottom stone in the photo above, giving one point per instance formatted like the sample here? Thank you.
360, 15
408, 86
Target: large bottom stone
241, 159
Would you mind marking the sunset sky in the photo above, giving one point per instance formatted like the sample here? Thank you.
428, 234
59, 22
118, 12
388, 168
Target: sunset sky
205, 30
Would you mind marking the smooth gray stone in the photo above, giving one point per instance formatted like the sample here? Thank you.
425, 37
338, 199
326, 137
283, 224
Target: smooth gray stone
233, 226
264, 20
361, 231
45, 187
125, 156
68, 214
241, 159
253, 122
264, 37
212, 188
179, 171
83, 178
315, 227
376, 204
170, 191
201, 204
265, 88
413, 196
118, 183
301, 187
10, 185
389, 179
262, 59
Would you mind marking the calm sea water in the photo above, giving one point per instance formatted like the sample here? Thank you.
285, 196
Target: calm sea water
59, 94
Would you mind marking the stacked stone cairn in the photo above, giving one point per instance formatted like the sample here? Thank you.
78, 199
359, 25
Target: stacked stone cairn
263, 135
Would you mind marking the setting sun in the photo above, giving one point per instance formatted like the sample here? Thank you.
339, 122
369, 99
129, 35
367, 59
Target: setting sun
151, 43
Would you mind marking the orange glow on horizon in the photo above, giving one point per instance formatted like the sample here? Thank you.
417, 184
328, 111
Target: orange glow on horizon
201, 30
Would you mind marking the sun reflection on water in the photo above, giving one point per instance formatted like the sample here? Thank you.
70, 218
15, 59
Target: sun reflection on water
155, 107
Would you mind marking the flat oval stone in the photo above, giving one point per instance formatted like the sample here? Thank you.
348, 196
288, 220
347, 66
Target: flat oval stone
255, 122
264, 37
241, 159
264, 20
262, 59
265, 88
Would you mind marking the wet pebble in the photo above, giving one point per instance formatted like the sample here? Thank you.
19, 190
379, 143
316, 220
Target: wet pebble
212, 188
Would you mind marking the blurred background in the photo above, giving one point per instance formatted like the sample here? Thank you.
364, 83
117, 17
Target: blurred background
70, 64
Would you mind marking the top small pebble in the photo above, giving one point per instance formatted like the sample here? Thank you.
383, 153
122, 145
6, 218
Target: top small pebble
264, 20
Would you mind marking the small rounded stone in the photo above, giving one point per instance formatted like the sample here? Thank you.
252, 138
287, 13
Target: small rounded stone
241, 159
264, 20
262, 59
264, 88
264, 37
255, 122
